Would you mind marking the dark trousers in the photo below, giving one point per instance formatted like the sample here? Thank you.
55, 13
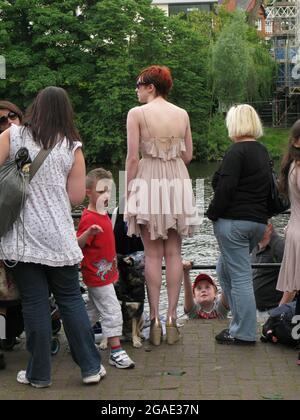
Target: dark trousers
33, 281
298, 305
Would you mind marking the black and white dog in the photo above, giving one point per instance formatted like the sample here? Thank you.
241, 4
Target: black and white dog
130, 288
130, 291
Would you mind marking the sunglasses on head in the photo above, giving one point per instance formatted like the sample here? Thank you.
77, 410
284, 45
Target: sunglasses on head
11, 115
138, 84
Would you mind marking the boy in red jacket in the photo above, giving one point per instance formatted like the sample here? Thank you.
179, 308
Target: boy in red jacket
99, 265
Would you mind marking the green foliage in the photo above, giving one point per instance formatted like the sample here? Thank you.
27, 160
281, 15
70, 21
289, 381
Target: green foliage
231, 61
262, 68
191, 90
217, 138
242, 68
276, 140
97, 54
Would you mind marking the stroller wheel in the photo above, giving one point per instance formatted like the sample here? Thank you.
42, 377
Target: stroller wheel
55, 346
2, 361
8, 343
56, 326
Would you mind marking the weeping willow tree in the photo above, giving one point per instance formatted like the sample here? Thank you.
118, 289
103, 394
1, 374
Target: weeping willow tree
242, 68
231, 62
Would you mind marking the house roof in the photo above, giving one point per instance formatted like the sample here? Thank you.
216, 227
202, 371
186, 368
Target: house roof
168, 2
246, 5
243, 4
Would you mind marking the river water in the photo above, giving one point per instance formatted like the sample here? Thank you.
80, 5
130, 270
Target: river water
202, 248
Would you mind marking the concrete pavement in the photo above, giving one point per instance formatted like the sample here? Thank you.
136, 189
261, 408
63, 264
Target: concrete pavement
195, 368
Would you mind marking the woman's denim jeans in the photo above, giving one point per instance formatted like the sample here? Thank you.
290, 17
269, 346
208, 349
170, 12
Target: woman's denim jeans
236, 239
34, 281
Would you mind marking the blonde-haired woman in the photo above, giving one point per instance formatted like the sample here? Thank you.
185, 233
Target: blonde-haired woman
239, 211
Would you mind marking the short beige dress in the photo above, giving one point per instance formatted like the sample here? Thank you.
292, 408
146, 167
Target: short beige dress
161, 195
289, 276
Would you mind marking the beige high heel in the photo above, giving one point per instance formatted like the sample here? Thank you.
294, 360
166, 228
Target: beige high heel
155, 332
172, 331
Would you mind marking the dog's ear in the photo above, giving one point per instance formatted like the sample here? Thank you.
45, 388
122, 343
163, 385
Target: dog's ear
129, 261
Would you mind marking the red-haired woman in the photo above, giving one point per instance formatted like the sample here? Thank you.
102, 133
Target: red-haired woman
160, 205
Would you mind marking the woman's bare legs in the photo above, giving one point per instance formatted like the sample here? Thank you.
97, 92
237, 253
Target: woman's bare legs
154, 251
174, 273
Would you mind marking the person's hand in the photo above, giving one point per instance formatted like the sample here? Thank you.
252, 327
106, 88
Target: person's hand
94, 229
187, 265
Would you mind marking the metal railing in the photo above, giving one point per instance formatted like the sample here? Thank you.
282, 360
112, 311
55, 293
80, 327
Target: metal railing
214, 266
77, 215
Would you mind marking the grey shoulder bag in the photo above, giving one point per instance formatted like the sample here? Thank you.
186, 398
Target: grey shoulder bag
15, 176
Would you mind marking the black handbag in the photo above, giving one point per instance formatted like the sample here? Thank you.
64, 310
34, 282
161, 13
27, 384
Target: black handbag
15, 176
277, 202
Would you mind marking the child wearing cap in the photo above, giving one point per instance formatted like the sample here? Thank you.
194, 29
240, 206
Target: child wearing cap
202, 300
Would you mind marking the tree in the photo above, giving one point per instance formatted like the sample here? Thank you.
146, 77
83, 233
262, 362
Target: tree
262, 70
187, 56
242, 67
42, 43
95, 50
231, 62
126, 39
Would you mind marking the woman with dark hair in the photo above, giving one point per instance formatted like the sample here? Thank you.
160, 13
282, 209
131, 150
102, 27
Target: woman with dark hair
160, 206
9, 114
46, 246
289, 184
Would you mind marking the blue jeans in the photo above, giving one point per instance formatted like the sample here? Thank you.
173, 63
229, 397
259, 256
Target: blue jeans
236, 239
34, 281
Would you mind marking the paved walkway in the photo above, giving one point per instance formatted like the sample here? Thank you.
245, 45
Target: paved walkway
195, 368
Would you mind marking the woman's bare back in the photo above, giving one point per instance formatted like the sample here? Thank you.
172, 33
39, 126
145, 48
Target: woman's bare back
162, 119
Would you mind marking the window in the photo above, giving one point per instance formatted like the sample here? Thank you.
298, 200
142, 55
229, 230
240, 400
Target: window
189, 7
269, 27
258, 24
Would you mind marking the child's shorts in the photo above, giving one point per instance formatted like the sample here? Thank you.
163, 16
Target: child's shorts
104, 305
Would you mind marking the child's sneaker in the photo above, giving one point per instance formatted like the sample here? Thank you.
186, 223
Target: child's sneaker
22, 379
94, 379
121, 360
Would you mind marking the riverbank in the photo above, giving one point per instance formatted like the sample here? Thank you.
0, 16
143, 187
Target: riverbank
276, 140
196, 368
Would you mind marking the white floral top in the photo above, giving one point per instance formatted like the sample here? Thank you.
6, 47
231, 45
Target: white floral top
48, 236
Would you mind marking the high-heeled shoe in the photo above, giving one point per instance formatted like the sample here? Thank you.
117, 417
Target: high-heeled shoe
155, 332
172, 331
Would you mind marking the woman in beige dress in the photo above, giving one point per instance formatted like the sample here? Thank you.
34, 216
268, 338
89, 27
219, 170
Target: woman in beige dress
289, 276
160, 205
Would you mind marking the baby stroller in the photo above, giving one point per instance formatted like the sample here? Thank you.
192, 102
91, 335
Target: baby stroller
11, 317
13, 325
56, 326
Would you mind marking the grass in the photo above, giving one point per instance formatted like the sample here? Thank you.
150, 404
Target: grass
276, 140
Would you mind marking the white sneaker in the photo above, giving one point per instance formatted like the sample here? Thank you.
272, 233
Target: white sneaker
121, 360
21, 378
95, 379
